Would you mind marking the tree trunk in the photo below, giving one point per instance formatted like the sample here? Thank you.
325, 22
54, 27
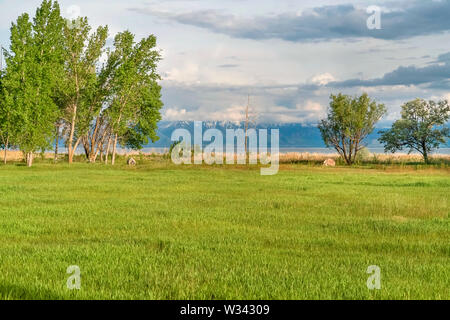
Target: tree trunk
70, 147
107, 149
344, 151
29, 159
350, 151
72, 132
73, 148
425, 153
57, 143
85, 143
347, 158
6, 150
96, 155
101, 147
113, 160
425, 157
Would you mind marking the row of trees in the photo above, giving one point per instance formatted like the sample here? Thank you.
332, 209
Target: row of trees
61, 82
350, 120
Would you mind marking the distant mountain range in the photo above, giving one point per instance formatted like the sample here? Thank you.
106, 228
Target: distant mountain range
292, 135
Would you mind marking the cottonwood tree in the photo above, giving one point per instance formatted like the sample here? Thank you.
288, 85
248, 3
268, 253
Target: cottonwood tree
350, 120
6, 124
83, 51
32, 72
135, 96
55, 80
421, 128
95, 121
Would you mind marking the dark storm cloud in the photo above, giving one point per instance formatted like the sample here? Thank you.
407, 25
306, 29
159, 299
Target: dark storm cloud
434, 74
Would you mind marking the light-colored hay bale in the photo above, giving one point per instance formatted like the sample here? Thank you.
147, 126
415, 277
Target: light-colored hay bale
131, 162
329, 163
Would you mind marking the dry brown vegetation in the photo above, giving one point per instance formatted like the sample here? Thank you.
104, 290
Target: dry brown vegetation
16, 156
294, 157
291, 157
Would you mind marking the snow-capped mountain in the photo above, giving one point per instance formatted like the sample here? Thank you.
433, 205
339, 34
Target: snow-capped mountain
291, 134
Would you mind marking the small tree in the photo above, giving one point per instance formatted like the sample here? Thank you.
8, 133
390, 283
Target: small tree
349, 122
421, 128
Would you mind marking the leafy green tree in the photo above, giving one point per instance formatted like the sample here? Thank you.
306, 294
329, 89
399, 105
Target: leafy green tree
134, 95
55, 78
32, 72
421, 128
6, 123
95, 123
15, 81
83, 51
349, 122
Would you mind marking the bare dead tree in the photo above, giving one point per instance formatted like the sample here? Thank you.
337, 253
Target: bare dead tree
250, 119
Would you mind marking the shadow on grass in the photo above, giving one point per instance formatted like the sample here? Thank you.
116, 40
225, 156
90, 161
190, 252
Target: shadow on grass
20, 164
16, 292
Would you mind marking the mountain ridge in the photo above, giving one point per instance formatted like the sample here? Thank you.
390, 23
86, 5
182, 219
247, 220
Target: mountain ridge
291, 134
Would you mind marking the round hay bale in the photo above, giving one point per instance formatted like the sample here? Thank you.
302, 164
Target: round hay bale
131, 162
329, 163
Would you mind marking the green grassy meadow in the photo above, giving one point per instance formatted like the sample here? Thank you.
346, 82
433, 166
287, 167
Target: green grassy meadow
200, 232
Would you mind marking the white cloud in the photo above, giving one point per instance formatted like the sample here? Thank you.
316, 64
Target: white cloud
287, 81
233, 113
323, 79
175, 114
188, 73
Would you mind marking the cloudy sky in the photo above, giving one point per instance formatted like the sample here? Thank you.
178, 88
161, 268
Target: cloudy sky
288, 55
